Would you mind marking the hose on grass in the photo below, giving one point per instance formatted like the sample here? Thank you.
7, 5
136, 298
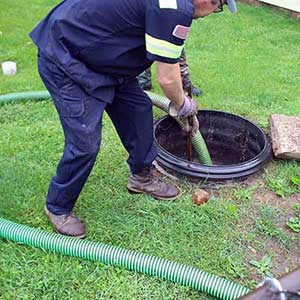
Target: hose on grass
157, 100
116, 256
23, 97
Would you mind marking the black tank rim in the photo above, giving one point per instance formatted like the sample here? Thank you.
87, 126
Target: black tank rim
216, 172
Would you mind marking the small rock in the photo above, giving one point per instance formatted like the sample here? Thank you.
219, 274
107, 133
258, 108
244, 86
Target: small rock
285, 136
200, 197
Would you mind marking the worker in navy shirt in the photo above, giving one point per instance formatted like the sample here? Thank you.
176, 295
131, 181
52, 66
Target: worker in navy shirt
89, 54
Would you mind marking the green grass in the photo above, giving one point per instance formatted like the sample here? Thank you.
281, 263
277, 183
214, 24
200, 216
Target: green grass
246, 64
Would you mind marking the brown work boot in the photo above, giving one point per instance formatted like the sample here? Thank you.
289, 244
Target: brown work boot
148, 182
67, 224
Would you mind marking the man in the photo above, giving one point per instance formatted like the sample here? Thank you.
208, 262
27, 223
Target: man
90, 53
145, 78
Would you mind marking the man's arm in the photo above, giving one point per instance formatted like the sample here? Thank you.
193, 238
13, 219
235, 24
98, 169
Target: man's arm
169, 78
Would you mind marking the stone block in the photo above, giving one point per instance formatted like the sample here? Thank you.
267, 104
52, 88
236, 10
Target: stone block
285, 136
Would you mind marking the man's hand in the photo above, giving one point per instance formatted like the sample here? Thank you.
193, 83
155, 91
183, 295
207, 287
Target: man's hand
189, 108
187, 114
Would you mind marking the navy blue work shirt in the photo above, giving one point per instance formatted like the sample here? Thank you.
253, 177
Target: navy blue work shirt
101, 43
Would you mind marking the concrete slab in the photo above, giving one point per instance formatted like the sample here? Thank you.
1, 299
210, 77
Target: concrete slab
285, 136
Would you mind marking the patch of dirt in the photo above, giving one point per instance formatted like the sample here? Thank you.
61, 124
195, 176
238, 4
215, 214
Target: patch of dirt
284, 258
264, 196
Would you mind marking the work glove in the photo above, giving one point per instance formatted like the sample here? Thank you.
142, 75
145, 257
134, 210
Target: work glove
189, 108
187, 114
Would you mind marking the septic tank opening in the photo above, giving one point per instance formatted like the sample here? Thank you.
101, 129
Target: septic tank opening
238, 147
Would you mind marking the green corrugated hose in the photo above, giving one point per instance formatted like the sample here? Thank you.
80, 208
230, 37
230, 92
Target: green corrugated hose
157, 100
115, 256
24, 96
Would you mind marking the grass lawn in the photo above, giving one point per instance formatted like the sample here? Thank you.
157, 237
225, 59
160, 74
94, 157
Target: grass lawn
247, 64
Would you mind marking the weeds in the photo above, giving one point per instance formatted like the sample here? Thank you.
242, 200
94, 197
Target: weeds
295, 180
244, 194
294, 222
263, 267
280, 187
286, 180
267, 226
236, 267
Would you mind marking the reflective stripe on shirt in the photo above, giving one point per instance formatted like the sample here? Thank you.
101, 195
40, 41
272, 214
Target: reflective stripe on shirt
162, 48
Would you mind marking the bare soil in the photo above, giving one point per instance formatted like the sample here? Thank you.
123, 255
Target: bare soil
284, 259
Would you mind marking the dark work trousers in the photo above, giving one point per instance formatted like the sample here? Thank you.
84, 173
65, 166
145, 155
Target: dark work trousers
81, 119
